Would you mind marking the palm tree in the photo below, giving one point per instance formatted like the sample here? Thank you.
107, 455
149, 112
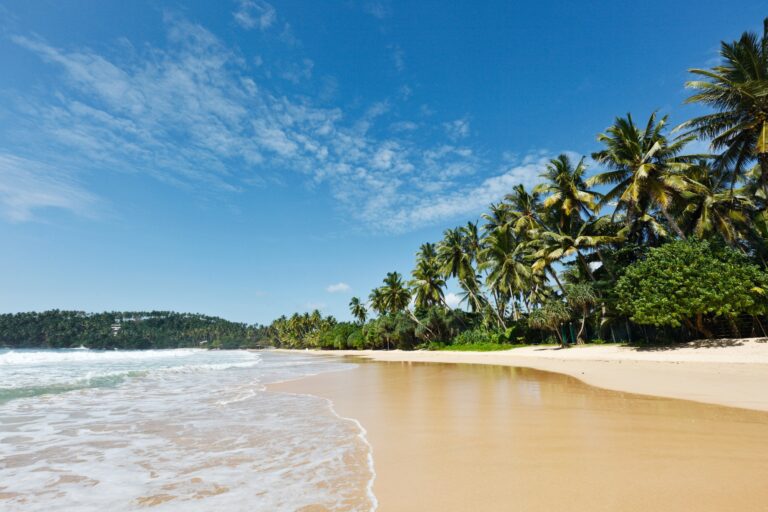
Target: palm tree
524, 209
427, 251
568, 194
471, 237
452, 255
581, 296
358, 310
498, 217
737, 89
395, 294
710, 207
376, 300
427, 283
644, 169
557, 246
509, 274
551, 316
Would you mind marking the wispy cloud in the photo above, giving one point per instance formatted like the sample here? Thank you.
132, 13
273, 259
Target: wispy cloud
255, 14
457, 129
27, 186
377, 9
338, 288
193, 114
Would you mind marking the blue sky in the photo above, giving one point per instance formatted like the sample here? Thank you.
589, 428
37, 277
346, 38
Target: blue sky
248, 159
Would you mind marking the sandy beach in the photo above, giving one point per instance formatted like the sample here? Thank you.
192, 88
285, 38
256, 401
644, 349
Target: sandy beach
516, 430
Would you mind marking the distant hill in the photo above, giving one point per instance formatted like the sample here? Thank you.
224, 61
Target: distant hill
126, 330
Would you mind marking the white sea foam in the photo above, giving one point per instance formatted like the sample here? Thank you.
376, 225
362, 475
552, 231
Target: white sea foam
193, 432
29, 357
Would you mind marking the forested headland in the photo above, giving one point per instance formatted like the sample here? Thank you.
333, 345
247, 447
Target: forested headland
660, 236
126, 330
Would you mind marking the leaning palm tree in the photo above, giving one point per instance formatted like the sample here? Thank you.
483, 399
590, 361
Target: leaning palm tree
358, 310
737, 89
644, 169
568, 195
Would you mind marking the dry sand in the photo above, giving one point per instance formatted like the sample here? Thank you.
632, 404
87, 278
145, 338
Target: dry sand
502, 435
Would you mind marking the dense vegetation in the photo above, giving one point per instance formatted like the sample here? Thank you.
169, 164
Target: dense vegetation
659, 244
126, 330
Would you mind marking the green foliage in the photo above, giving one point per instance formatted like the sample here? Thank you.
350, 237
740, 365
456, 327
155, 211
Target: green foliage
684, 281
127, 330
551, 316
545, 257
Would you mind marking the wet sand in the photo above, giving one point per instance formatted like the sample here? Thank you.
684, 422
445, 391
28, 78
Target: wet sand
733, 373
458, 437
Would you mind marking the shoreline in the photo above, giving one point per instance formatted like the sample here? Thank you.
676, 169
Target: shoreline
488, 431
731, 373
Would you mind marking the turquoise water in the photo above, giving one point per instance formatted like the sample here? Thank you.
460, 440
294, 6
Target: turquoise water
186, 430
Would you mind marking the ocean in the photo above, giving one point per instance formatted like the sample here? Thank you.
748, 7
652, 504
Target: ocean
174, 430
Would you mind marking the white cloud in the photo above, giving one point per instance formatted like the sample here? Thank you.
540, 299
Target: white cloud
255, 14
338, 288
192, 115
452, 300
27, 186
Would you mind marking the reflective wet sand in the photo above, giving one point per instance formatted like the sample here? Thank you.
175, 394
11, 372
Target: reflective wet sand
485, 438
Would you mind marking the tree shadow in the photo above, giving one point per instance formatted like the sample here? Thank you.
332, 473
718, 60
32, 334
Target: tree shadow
703, 343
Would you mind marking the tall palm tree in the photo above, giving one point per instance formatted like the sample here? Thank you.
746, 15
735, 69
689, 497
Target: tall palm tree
509, 273
644, 169
395, 294
737, 89
358, 310
497, 217
377, 302
524, 209
568, 195
471, 235
427, 283
452, 255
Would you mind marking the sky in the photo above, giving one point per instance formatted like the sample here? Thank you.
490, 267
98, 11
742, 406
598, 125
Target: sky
249, 159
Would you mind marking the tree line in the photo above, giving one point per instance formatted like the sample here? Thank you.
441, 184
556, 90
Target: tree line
660, 244
127, 330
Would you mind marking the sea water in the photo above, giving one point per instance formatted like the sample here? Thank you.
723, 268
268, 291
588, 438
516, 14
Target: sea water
168, 430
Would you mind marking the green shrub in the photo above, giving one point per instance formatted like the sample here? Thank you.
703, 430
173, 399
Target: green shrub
688, 281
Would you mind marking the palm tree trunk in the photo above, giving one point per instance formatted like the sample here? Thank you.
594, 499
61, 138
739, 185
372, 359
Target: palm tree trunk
580, 334
559, 284
605, 265
584, 264
672, 223
762, 158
